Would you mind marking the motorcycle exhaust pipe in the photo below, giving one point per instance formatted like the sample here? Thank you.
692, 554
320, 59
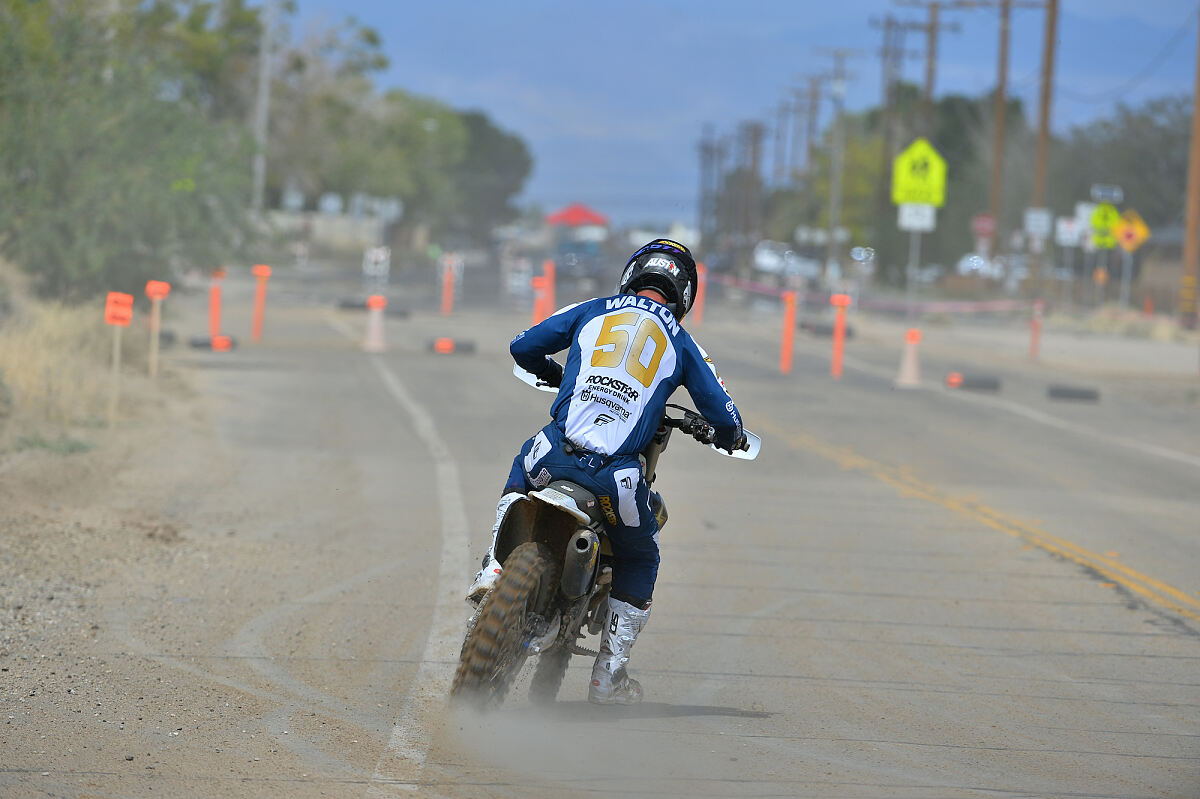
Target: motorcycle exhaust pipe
580, 563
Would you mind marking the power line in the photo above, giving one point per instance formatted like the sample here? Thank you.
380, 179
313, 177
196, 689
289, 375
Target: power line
1142, 75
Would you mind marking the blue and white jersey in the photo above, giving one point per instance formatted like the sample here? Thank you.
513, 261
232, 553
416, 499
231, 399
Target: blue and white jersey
626, 356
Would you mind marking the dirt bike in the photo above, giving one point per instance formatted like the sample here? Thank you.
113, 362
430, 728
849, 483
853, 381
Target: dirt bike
557, 572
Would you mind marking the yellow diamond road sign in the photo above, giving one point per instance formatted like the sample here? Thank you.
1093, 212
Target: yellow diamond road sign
1104, 219
919, 176
1132, 231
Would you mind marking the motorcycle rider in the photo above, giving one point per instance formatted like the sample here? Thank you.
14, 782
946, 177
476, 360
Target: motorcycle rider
626, 355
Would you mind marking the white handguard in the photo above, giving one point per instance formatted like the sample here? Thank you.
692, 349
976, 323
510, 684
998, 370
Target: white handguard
753, 445
532, 379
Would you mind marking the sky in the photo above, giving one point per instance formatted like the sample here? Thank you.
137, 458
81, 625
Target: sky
612, 97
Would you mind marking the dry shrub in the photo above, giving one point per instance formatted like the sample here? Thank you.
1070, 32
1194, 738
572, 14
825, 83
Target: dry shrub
53, 361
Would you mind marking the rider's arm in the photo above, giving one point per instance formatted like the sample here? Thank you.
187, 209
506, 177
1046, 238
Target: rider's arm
532, 348
708, 391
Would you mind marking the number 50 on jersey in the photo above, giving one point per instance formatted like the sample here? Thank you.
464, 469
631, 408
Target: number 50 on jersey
615, 346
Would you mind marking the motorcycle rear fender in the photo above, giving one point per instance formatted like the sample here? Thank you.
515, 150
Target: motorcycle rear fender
577, 501
549, 516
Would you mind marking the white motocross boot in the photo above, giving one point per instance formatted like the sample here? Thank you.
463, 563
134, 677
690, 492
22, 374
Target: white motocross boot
611, 684
490, 572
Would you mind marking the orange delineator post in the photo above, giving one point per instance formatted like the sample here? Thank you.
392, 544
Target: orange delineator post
374, 342
539, 298
1148, 307
548, 273
156, 290
1035, 330
840, 302
262, 274
910, 368
214, 309
789, 332
698, 305
447, 289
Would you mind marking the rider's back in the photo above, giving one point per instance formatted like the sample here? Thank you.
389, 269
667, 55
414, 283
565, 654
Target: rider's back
626, 356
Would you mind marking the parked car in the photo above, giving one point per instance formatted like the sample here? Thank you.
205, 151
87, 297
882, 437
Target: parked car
975, 265
777, 258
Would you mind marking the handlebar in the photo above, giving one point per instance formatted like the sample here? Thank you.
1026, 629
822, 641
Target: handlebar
696, 426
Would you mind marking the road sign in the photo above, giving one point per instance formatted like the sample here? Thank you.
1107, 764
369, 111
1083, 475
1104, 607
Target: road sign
1131, 231
1104, 219
118, 309
1039, 223
919, 176
157, 289
1107, 193
917, 218
1083, 215
983, 226
1066, 231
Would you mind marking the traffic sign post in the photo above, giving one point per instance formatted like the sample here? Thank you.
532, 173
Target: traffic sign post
157, 291
1130, 232
983, 225
1067, 237
1107, 193
1039, 225
118, 312
919, 176
919, 188
1104, 218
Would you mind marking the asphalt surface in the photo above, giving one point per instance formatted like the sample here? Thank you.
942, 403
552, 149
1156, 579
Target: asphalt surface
909, 594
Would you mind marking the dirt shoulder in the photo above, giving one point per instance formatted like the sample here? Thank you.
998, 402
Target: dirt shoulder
73, 526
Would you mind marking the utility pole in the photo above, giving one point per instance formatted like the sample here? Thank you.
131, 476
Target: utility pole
1191, 237
797, 133
781, 130
838, 91
1043, 134
931, 27
999, 104
707, 150
892, 57
721, 206
1000, 108
755, 131
814, 115
748, 188
262, 108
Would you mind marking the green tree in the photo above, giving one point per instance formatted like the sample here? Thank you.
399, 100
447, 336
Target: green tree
492, 172
1143, 149
109, 174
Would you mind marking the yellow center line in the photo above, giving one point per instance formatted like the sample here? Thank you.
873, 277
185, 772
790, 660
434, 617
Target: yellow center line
908, 485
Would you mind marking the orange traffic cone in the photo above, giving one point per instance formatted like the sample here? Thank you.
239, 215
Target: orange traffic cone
374, 340
910, 368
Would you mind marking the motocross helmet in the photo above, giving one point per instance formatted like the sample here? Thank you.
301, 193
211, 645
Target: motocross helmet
666, 267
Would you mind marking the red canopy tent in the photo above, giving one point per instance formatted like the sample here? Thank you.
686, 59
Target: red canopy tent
577, 214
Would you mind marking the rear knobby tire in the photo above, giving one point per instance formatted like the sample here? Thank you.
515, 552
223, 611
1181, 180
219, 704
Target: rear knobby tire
495, 650
548, 677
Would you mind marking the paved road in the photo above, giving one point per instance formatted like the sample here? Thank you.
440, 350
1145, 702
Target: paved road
907, 595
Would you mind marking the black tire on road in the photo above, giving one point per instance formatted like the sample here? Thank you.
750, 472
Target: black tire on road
494, 651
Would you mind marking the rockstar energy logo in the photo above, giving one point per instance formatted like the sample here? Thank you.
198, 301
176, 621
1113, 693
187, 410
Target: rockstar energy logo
606, 506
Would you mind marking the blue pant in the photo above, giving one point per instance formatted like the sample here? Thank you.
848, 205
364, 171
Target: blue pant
624, 496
